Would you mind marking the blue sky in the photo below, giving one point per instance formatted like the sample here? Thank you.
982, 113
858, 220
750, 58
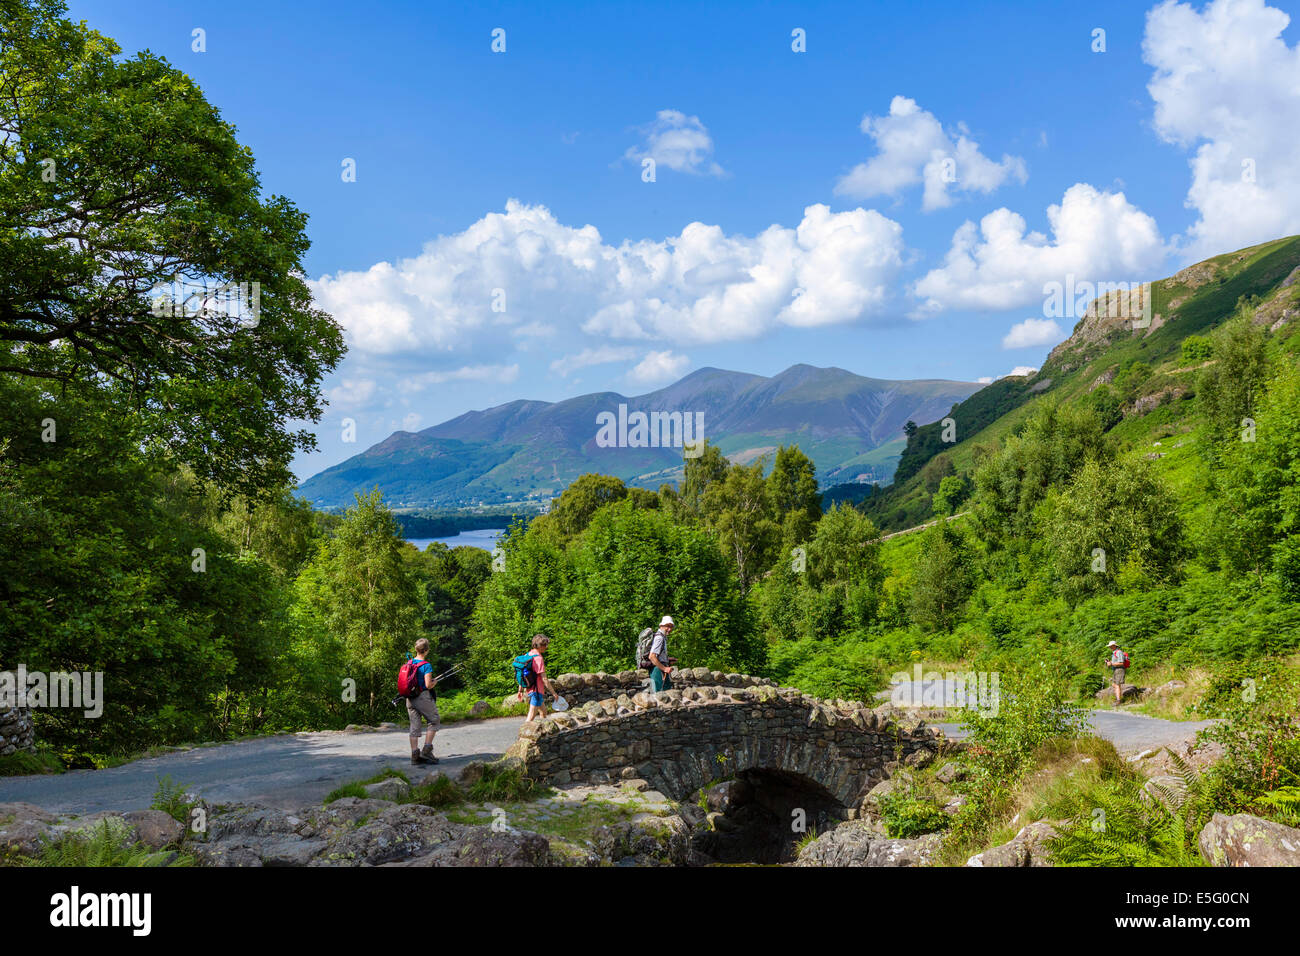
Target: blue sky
828, 229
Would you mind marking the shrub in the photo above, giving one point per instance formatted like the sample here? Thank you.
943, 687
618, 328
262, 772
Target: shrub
908, 816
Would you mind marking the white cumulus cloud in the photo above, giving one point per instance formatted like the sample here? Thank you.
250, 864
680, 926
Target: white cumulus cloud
1032, 332
1095, 236
658, 368
474, 293
913, 147
677, 142
1226, 82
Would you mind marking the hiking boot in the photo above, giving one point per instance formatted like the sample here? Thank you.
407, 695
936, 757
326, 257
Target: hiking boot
418, 759
426, 755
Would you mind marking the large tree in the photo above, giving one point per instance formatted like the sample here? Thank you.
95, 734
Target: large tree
130, 215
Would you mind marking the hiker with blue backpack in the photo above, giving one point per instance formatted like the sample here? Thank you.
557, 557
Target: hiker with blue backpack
416, 682
530, 675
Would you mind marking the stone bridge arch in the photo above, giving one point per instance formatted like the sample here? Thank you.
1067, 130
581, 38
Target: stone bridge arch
684, 739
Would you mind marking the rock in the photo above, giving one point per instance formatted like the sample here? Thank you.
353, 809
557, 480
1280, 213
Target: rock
393, 788
919, 758
951, 772
480, 708
154, 828
1246, 840
483, 846
1026, 848
226, 855
1167, 688
23, 838
886, 788
471, 773
955, 803
728, 795
1127, 692
858, 844
388, 725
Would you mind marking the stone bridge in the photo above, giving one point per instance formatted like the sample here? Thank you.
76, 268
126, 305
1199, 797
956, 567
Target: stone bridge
684, 739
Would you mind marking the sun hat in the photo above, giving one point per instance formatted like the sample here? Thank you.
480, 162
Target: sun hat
1112, 644
666, 620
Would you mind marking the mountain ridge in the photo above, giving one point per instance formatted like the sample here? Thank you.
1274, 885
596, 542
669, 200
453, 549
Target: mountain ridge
531, 449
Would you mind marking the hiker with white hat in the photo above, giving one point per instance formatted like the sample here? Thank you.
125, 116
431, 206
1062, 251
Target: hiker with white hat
661, 664
1118, 664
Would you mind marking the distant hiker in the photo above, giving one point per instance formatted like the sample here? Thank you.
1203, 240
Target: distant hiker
661, 665
530, 675
415, 682
1118, 664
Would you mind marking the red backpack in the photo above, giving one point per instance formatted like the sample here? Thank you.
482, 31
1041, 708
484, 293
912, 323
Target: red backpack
409, 684
1125, 653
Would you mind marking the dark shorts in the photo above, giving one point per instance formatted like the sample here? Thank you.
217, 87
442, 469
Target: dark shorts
659, 680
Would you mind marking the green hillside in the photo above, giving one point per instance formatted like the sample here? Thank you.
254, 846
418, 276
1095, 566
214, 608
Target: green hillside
1191, 303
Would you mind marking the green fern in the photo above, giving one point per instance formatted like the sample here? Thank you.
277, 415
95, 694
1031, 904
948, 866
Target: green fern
1133, 826
1282, 804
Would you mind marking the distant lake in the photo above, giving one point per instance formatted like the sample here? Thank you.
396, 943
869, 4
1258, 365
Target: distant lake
485, 538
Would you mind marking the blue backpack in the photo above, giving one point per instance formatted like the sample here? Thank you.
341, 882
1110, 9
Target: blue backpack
525, 676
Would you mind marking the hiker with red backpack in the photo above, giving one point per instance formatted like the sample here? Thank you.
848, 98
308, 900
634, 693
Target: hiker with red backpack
415, 682
530, 675
1118, 664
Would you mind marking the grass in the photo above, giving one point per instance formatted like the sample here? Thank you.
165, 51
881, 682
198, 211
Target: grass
1069, 776
357, 788
503, 783
24, 764
438, 793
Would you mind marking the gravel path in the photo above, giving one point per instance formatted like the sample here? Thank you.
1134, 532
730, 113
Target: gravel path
286, 771
1129, 732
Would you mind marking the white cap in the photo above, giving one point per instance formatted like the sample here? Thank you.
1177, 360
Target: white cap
1112, 644
666, 620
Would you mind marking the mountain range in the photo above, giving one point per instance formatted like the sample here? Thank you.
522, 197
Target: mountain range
851, 426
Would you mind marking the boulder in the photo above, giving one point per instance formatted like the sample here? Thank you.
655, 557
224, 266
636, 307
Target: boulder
154, 828
393, 788
950, 772
1127, 692
857, 843
1246, 840
480, 708
1026, 848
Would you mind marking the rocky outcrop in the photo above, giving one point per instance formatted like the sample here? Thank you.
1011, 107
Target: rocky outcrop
1245, 840
24, 829
1026, 848
859, 843
682, 740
